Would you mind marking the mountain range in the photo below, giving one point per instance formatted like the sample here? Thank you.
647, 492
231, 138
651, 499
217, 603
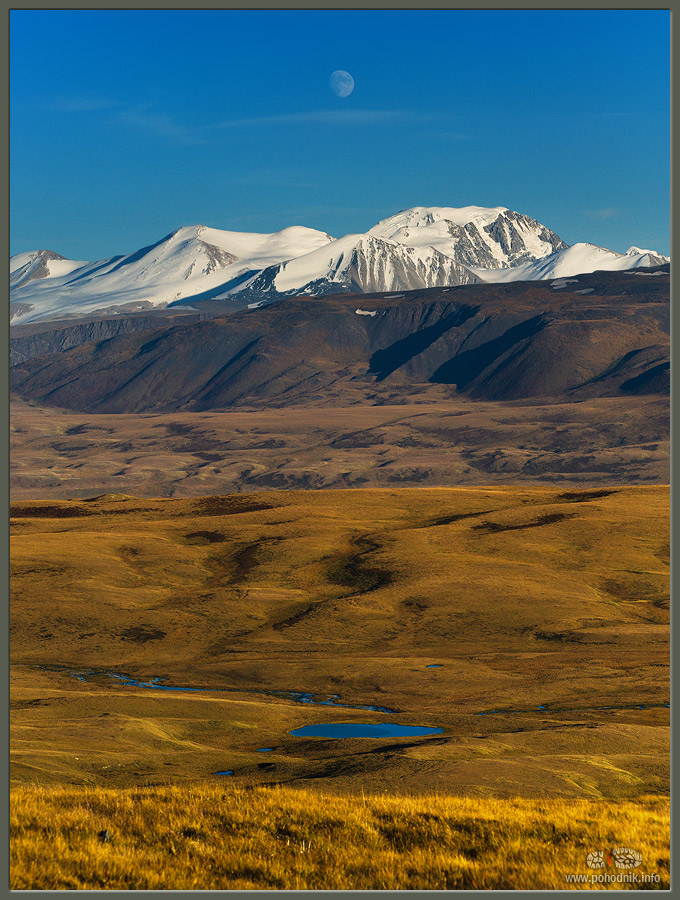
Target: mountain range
600, 335
418, 248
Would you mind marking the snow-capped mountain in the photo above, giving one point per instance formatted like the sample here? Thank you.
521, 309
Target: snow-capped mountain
416, 248
359, 263
646, 257
25, 267
191, 261
579, 259
472, 236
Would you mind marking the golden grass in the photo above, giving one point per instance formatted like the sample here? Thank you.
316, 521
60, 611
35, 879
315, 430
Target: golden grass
207, 837
525, 596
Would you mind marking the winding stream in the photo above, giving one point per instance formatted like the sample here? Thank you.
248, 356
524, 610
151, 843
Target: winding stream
90, 676
158, 684
555, 709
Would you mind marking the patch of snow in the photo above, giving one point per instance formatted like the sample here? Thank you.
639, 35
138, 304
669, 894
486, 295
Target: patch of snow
563, 282
365, 312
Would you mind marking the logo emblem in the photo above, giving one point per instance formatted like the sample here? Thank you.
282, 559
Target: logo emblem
595, 859
625, 858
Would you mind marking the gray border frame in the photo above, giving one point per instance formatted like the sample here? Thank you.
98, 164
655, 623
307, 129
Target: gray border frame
6, 6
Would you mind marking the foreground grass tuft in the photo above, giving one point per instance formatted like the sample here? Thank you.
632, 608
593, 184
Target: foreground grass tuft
211, 837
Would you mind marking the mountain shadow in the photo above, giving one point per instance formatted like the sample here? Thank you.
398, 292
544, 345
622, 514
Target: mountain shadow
384, 362
465, 367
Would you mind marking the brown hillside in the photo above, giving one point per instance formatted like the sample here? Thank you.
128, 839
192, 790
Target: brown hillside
604, 334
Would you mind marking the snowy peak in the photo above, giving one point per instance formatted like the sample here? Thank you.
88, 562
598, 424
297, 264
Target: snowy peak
521, 238
423, 216
21, 260
475, 236
27, 267
579, 259
222, 248
646, 257
192, 251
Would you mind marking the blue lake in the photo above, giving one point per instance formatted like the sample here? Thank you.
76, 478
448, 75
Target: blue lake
264, 749
434, 666
225, 772
363, 729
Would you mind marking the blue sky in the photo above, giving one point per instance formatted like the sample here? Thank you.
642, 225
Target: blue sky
128, 124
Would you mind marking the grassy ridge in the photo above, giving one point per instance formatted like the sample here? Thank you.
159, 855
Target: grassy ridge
210, 837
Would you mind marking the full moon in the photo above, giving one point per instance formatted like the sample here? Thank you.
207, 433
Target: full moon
342, 83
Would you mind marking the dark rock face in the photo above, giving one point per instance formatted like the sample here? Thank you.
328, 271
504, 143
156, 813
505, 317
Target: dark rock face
27, 342
489, 342
19, 309
507, 232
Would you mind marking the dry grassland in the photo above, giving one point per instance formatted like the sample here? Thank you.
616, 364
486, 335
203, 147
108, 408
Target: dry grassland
215, 838
423, 439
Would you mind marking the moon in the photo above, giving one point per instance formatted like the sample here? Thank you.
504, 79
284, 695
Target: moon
342, 83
